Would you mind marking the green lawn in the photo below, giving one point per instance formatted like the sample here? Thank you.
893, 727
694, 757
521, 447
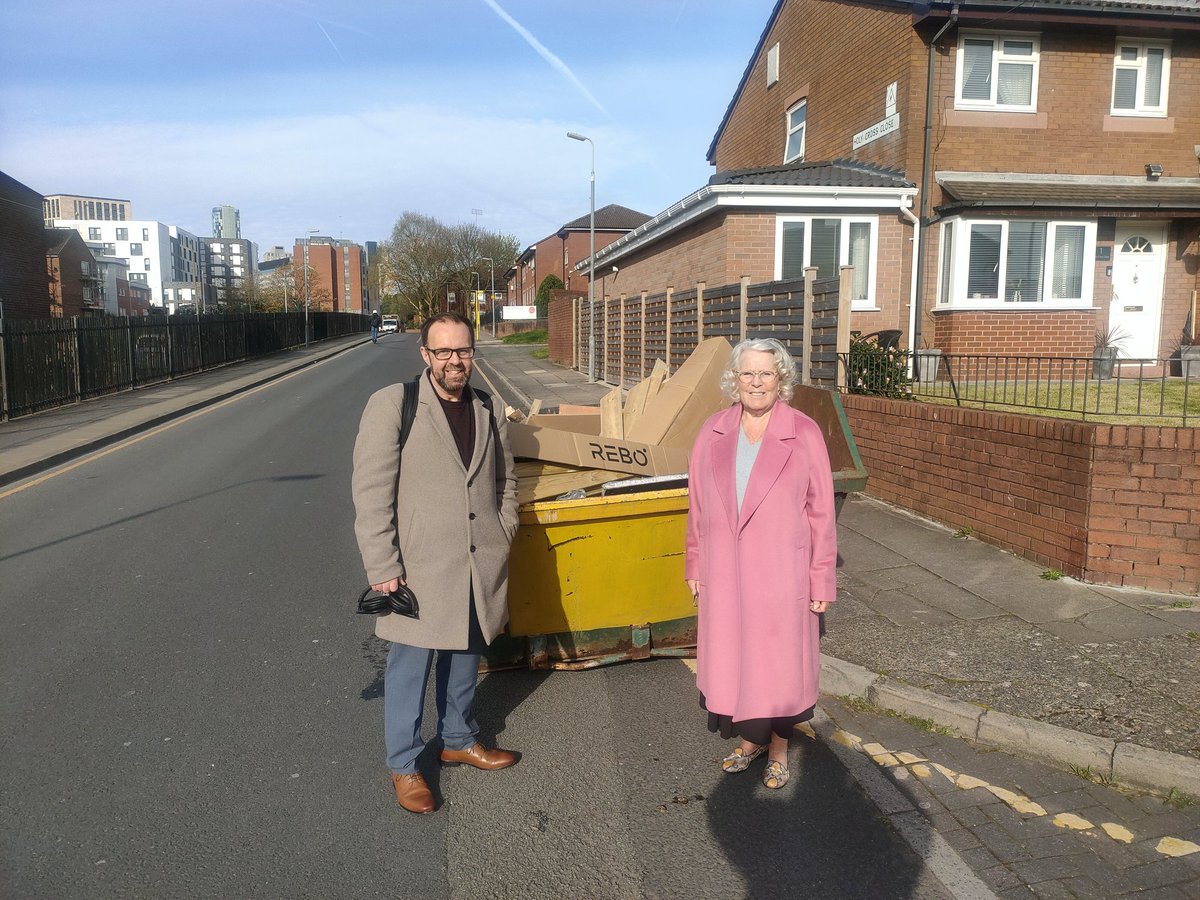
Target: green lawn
1118, 402
526, 337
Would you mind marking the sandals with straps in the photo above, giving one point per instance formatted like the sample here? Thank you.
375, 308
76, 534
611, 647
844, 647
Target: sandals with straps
739, 760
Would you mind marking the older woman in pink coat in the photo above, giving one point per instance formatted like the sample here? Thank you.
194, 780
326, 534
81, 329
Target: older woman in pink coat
761, 558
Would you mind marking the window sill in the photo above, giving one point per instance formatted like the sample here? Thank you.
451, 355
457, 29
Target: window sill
865, 308
1023, 306
994, 118
1140, 124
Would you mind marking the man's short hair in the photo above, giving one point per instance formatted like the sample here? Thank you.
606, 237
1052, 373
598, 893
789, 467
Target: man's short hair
452, 318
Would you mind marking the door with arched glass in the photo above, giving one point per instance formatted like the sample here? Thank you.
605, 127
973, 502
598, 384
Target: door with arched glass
1139, 254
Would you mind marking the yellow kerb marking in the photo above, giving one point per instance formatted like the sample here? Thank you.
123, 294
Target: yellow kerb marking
885, 759
874, 749
967, 782
1072, 821
1117, 832
908, 758
1170, 846
691, 664
949, 773
805, 729
846, 739
921, 771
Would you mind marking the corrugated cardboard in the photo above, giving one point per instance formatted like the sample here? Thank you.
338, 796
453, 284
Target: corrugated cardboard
674, 416
582, 424
591, 451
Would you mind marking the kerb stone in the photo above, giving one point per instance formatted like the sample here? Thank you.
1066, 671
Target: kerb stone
962, 717
1155, 769
1049, 743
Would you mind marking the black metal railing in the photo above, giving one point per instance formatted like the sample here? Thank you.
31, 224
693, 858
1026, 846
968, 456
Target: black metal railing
1148, 391
53, 362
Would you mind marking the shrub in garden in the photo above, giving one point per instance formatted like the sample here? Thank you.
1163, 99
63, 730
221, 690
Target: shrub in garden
872, 370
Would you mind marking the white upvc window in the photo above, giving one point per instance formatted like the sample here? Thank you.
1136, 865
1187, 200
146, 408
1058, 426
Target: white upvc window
1141, 73
997, 72
796, 116
998, 263
829, 242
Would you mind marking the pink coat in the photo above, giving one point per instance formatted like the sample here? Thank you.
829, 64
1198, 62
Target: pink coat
757, 653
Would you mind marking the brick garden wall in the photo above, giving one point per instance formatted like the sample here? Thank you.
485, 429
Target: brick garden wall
1108, 504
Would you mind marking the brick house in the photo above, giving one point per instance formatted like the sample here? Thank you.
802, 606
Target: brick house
76, 287
1005, 178
22, 251
558, 253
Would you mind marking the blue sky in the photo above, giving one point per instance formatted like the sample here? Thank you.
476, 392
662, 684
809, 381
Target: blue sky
339, 116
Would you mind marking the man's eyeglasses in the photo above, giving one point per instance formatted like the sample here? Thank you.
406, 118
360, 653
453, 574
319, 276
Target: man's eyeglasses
748, 377
444, 353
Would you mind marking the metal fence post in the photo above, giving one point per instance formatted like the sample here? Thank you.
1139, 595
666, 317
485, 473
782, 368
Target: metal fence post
76, 343
4, 399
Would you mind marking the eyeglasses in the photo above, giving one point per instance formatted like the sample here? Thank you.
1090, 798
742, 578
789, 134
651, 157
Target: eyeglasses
748, 377
444, 353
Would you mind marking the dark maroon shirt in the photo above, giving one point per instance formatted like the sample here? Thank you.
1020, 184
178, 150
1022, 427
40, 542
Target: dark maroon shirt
461, 418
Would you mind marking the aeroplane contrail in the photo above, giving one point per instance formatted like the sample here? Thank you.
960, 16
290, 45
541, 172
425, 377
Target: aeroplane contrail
328, 38
544, 53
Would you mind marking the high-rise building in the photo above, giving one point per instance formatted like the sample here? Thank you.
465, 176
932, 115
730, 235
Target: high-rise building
159, 255
229, 262
226, 222
336, 271
74, 206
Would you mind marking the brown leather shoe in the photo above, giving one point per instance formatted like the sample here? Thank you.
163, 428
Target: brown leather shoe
480, 757
413, 793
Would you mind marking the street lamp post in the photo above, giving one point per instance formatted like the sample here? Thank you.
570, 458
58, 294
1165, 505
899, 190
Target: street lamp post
307, 294
492, 299
591, 259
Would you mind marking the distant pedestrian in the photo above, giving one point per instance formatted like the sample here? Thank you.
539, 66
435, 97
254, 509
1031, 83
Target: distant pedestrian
437, 515
761, 558
376, 321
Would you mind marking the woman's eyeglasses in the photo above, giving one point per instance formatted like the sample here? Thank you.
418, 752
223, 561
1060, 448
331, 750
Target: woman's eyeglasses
748, 377
444, 353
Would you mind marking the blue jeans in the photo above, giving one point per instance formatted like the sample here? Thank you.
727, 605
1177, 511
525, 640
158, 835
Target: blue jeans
404, 683
374, 334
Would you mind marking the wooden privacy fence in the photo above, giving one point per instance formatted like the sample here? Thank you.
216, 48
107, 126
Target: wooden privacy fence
633, 330
52, 362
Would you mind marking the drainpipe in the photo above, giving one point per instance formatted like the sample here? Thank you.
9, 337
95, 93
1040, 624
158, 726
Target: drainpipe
906, 211
926, 165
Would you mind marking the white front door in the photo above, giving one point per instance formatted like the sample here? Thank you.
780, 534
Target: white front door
1139, 254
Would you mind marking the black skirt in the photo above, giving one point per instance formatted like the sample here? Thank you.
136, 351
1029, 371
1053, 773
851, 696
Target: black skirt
756, 731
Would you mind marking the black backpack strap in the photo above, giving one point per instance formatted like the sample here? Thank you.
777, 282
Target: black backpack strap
408, 409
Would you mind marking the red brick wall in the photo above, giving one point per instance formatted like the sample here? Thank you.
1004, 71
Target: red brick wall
23, 281
1112, 505
561, 326
1144, 518
1017, 333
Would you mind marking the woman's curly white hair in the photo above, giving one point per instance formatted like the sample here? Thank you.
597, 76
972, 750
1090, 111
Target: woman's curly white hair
784, 365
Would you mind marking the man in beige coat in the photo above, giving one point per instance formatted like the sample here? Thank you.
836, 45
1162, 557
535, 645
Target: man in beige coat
438, 515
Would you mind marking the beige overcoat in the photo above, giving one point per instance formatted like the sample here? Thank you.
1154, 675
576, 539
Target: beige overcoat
441, 526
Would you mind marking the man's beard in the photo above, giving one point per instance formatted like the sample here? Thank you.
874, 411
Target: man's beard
452, 381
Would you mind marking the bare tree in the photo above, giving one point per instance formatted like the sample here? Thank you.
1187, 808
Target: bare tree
425, 259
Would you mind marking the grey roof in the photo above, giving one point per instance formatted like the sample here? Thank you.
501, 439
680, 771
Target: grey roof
608, 218
1012, 189
835, 173
58, 238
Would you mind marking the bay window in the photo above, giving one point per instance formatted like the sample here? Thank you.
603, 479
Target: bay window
828, 243
995, 262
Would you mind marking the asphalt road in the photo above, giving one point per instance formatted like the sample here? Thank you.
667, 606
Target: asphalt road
190, 707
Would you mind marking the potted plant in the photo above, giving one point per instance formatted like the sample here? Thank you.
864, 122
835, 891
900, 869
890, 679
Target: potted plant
928, 359
1109, 342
